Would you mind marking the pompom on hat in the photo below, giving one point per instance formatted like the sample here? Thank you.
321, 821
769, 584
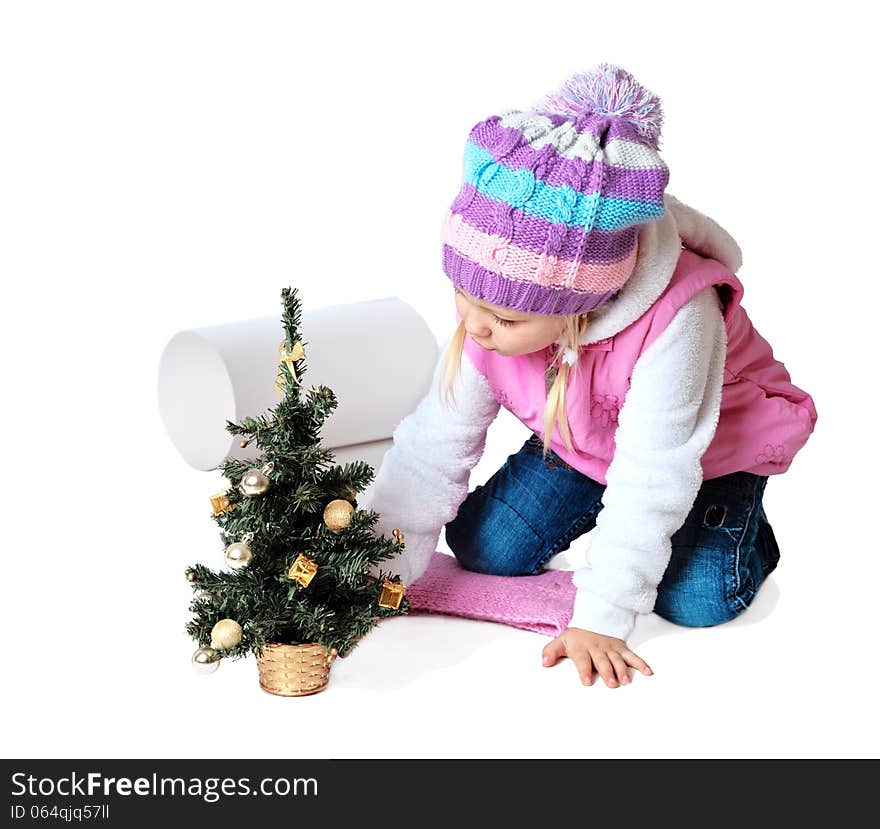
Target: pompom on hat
552, 198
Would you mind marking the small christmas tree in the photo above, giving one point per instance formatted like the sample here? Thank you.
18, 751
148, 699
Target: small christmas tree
301, 556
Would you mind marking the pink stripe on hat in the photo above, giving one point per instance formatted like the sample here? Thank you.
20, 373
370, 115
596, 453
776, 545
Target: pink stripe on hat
501, 256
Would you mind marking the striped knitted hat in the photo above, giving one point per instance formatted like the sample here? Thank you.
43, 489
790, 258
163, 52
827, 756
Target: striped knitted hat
548, 215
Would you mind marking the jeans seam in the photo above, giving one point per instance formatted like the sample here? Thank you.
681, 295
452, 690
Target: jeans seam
738, 585
518, 514
567, 536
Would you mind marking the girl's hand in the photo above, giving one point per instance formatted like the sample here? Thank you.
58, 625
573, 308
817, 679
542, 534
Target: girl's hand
586, 649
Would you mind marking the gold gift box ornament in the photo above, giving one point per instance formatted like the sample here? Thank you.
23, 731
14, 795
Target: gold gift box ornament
392, 594
302, 570
288, 358
220, 503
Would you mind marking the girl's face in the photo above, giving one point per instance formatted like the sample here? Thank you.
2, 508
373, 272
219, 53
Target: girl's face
507, 332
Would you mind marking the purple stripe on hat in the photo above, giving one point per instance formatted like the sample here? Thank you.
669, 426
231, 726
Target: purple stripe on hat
597, 123
528, 297
641, 184
530, 231
607, 127
556, 118
594, 122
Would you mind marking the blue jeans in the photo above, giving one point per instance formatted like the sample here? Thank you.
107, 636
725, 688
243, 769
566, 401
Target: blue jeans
533, 508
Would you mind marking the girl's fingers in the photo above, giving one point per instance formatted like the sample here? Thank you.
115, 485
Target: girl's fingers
636, 662
584, 666
552, 652
605, 668
611, 665
620, 667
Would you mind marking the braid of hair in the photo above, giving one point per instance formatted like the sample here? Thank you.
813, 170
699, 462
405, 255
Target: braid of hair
451, 365
554, 408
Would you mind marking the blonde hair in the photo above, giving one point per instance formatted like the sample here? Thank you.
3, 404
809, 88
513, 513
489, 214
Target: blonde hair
554, 409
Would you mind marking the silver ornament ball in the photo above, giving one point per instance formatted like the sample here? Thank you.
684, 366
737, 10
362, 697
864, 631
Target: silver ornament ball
238, 555
205, 661
256, 481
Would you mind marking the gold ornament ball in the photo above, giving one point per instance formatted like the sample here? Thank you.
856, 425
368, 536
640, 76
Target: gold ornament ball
226, 634
238, 555
205, 661
337, 514
190, 576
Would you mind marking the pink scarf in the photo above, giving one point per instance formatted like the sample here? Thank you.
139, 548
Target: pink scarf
541, 603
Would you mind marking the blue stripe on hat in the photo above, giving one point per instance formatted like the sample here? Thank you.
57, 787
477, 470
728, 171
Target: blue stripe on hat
555, 204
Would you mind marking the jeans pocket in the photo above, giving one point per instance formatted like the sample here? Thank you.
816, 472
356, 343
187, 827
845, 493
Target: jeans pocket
724, 507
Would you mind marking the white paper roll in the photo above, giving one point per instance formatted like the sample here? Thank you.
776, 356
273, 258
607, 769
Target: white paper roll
377, 356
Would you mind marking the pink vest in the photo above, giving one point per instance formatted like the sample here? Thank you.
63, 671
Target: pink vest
764, 419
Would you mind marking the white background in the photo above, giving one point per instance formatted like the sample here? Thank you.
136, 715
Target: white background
167, 165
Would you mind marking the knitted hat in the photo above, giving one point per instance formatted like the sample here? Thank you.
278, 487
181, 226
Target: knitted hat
548, 215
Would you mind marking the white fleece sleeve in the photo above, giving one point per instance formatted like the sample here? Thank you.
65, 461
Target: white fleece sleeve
424, 476
667, 422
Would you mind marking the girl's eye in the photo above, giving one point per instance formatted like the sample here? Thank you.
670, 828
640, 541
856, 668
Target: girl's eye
497, 318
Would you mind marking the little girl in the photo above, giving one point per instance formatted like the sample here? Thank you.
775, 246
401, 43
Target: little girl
607, 317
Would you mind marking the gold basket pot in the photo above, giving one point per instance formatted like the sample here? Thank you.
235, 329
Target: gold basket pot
295, 670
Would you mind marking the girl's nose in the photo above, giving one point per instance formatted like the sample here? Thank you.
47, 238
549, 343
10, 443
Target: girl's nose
477, 329
475, 323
